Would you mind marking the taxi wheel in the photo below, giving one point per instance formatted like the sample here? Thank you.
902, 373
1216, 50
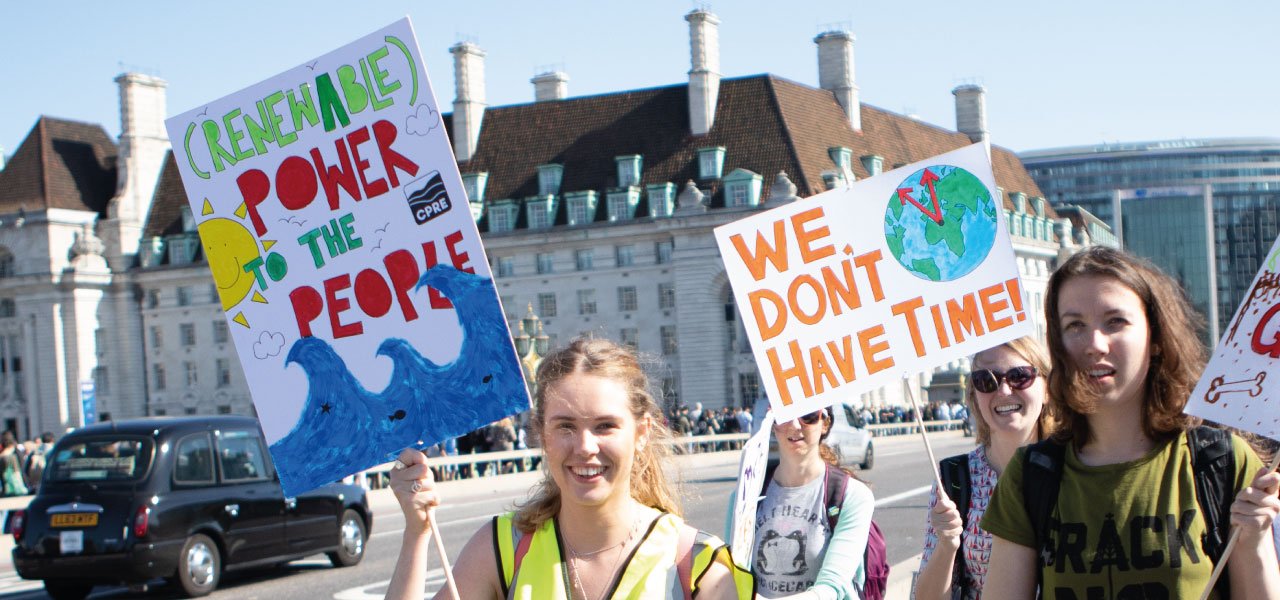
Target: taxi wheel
870, 458
199, 566
63, 590
351, 540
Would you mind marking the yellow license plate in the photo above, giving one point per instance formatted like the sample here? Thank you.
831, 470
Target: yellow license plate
74, 520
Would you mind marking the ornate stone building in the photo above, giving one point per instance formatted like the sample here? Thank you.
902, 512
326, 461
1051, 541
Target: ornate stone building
596, 212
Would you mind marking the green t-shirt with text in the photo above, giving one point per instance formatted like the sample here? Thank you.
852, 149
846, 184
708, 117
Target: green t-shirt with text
1124, 531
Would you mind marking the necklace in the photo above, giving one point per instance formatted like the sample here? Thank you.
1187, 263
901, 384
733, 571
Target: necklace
574, 556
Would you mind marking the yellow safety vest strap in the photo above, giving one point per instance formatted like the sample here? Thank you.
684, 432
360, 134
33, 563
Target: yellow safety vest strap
706, 554
504, 548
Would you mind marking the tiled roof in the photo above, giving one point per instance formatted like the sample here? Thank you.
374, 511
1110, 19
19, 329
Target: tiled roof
60, 164
765, 123
165, 217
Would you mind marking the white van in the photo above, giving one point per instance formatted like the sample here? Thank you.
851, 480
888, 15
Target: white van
849, 437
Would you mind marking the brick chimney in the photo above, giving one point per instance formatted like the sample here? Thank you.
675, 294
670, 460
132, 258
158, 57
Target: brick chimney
704, 77
468, 107
143, 144
835, 72
971, 111
552, 85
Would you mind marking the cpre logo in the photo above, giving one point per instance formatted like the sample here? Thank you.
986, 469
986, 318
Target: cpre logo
427, 197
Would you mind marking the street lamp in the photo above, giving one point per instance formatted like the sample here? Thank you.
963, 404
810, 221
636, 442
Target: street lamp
531, 345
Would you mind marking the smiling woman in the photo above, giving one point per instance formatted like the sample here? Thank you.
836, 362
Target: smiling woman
1007, 400
604, 521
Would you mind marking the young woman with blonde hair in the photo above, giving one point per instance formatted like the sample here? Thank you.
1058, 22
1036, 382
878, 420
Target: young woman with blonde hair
1006, 397
603, 523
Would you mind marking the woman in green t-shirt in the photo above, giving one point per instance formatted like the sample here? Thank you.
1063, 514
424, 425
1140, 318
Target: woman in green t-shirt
1126, 522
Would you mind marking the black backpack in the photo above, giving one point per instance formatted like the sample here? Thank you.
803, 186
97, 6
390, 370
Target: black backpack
955, 482
875, 558
1212, 462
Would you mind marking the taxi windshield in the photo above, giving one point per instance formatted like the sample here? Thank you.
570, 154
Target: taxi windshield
100, 459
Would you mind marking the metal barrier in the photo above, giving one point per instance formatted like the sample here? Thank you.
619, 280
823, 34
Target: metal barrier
489, 464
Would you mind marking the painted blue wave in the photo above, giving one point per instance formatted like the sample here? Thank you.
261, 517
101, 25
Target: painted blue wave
423, 402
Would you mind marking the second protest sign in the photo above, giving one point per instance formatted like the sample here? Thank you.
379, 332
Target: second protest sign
845, 291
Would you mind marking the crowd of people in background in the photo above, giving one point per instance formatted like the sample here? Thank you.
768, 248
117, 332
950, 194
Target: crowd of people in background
22, 463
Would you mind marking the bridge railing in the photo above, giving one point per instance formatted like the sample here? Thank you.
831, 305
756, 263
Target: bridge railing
488, 464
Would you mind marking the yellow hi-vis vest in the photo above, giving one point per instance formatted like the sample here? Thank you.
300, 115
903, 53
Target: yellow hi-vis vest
651, 573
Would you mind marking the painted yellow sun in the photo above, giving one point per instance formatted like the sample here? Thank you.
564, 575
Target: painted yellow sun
228, 248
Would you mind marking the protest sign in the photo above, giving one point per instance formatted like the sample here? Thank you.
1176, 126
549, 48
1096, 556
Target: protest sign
347, 261
1240, 380
751, 472
845, 291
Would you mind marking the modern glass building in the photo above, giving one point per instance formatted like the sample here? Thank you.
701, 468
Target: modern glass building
1243, 180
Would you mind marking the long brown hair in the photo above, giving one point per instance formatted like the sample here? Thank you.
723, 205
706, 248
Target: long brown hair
601, 358
1176, 355
1034, 353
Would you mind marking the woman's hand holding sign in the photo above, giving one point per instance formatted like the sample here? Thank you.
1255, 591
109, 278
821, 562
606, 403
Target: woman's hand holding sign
946, 521
415, 489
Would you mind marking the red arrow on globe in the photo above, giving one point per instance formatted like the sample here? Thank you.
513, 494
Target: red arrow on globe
904, 196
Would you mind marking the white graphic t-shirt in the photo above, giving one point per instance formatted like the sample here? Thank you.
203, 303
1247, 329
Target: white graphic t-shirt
791, 538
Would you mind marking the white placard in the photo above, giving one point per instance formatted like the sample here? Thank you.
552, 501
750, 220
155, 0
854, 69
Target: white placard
751, 471
346, 258
1242, 377
849, 290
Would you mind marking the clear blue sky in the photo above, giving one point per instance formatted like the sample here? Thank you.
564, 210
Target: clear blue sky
1057, 74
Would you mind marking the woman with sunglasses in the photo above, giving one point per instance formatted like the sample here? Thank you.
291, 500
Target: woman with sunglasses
603, 522
1126, 522
796, 555
1006, 396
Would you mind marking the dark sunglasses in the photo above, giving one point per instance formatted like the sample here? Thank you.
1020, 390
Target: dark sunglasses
811, 418
1019, 378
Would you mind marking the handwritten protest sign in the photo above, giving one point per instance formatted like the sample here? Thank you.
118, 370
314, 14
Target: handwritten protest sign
847, 290
1241, 379
333, 218
751, 471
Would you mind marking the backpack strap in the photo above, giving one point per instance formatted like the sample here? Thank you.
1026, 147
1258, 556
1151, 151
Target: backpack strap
836, 484
1213, 465
1041, 477
955, 482
684, 559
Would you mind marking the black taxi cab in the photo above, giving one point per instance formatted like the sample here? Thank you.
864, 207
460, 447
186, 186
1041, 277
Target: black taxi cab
179, 498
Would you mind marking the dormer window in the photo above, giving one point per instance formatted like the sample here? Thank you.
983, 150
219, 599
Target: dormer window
873, 164
541, 211
842, 157
661, 199
473, 184
629, 170
710, 162
1019, 202
1038, 203
549, 179
182, 248
622, 204
742, 188
582, 207
502, 215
